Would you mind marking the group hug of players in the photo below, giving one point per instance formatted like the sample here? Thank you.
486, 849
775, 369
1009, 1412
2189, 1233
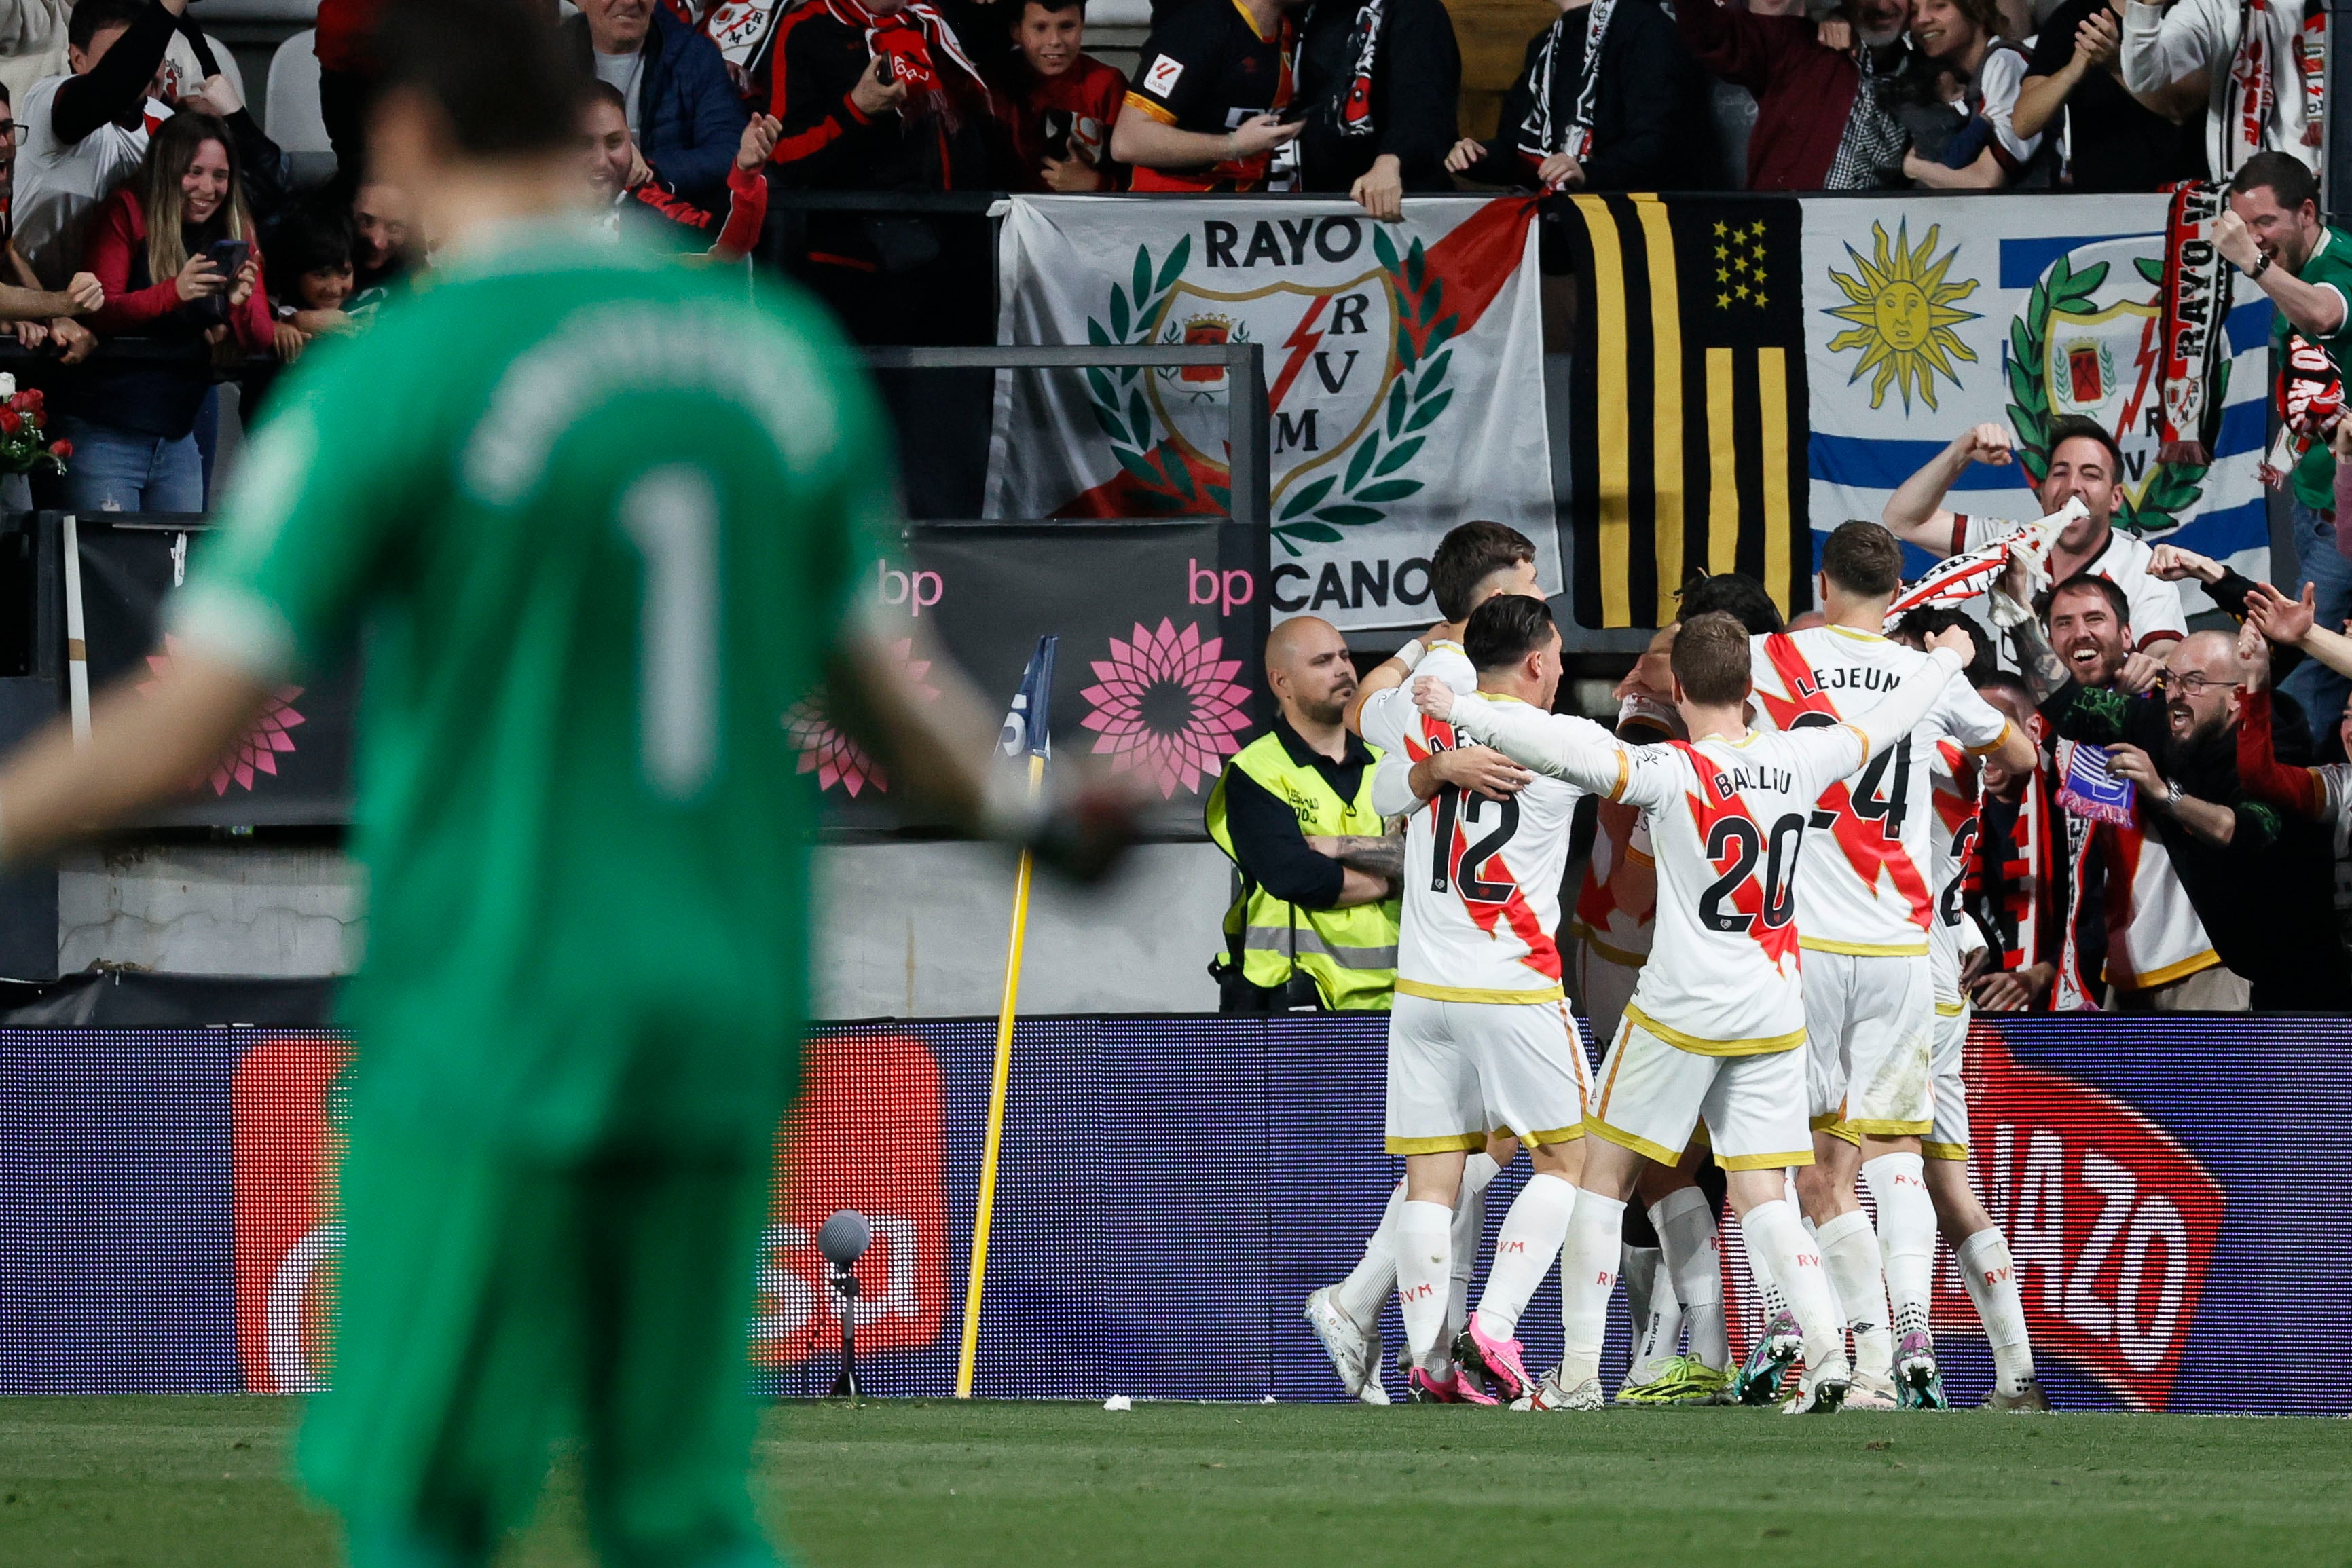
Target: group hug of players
1807, 800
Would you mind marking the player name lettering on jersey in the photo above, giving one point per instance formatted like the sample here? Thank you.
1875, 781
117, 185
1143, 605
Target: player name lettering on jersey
1726, 782
1867, 890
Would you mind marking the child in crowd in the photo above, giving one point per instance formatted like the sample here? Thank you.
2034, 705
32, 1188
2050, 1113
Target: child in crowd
310, 255
1058, 103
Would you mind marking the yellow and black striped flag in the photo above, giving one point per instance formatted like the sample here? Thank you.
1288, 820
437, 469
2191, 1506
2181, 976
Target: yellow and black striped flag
1688, 388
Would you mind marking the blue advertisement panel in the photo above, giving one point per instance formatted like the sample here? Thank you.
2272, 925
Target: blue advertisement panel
2174, 1190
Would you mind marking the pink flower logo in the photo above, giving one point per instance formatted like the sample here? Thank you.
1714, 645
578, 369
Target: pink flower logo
832, 756
257, 750
1169, 706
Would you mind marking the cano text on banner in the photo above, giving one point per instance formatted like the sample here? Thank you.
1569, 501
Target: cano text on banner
1404, 376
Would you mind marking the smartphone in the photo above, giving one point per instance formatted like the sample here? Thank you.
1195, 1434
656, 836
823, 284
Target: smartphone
229, 255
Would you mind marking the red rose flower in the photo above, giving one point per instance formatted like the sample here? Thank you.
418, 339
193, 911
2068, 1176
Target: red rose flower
60, 449
11, 421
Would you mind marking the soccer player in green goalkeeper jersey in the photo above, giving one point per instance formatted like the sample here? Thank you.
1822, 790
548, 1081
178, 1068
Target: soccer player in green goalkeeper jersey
598, 517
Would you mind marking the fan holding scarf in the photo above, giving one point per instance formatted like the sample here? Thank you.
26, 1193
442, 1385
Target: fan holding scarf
1380, 79
2264, 61
879, 95
1609, 100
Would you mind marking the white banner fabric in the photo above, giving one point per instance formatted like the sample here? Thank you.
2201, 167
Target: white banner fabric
1404, 371
1925, 316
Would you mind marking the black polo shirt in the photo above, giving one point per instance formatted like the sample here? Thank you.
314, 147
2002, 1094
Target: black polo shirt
1206, 67
1267, 840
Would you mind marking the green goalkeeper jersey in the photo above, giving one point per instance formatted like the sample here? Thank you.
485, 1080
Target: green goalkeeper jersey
593, 518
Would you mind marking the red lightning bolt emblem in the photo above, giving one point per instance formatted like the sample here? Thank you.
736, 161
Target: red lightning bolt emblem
1301, 344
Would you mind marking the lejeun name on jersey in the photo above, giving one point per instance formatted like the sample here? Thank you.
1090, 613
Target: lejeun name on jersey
1729, 781
1848, 678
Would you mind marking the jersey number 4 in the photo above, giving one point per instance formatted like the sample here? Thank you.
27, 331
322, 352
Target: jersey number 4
671, 515
1462, 870
1888, 809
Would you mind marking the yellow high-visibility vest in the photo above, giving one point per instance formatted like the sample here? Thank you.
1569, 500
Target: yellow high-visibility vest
1351, 954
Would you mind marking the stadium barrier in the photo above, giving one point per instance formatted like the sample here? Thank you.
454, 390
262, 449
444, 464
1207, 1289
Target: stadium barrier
1172, 1187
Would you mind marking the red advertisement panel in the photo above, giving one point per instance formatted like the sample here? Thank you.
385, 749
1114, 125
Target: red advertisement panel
2111, 1222
867, 1134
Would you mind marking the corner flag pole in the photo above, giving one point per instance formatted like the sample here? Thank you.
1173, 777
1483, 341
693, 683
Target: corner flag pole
1027, 729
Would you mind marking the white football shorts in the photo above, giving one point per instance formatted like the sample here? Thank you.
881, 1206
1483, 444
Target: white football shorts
1869, 1042
1603, 986
1460, 1070
1948, 1138
1652, 1096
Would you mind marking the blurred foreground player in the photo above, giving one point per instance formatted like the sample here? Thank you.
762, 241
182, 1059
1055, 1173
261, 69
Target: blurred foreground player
608, 541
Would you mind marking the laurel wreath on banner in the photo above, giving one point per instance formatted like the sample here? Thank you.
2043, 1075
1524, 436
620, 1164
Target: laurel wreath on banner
1317, 510
2174, 488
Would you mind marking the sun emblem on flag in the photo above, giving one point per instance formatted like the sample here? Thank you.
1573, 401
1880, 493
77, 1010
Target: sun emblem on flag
258, 749
831, 755
1166, 705
1904, 313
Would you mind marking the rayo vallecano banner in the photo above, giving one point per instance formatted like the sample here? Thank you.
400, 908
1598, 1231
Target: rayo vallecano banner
1925, 316
1404, 366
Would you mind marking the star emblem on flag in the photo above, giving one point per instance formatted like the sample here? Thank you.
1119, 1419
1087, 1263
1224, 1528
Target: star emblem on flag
1741, 245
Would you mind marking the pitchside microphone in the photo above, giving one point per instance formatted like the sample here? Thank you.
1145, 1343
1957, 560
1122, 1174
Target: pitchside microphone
843, 1239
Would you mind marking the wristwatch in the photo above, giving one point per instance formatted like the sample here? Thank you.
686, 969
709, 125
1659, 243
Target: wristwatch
2262, 264
2171, 795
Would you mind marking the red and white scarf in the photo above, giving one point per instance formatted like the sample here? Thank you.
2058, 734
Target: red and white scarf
2258, 74
2310, 397
940, 78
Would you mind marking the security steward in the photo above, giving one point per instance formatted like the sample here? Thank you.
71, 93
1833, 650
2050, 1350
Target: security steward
1314, 926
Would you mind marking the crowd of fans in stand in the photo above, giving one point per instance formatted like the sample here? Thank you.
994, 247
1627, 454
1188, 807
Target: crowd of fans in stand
1361, 97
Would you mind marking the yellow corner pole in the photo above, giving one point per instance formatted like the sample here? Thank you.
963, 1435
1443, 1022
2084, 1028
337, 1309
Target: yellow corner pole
986, 1208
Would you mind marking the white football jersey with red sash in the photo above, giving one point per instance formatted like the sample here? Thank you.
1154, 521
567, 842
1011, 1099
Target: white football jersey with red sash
1954, 934
1482, 878
1865, 891
1727, 820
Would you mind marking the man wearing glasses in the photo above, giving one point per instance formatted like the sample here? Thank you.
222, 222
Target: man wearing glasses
2261, 881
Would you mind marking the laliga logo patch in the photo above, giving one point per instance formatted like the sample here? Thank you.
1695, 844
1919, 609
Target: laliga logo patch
2111, 1223
1161, 78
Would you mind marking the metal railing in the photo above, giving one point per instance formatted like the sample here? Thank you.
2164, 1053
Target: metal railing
1246, 413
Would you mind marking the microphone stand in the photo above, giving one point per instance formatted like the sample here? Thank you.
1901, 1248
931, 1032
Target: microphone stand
846, 1386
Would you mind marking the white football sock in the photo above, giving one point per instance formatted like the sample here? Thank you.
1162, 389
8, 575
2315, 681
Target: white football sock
1850, 1250
1773, 1231
1368, 1284
1588, 1271
1769, 1299
1684, 1222
1992, 1280
1907, 1234
1643, 1270
1524, 1249
1478, 1173
1424, 1259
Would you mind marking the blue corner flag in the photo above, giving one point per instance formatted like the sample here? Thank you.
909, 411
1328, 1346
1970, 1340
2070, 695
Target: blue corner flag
1028, 724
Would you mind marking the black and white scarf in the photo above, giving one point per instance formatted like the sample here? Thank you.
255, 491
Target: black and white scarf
1354, 116
2196, 302
1542, 134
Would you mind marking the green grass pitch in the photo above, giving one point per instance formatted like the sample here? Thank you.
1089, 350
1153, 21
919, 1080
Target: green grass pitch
196, 1482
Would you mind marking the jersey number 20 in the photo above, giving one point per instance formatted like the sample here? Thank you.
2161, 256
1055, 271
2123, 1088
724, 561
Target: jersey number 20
1740, 838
